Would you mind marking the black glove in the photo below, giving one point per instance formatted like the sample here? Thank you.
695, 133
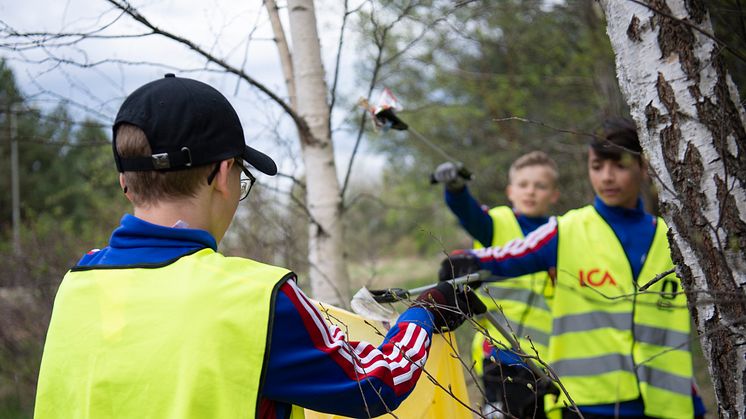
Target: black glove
450, 307
458, 263
451, 174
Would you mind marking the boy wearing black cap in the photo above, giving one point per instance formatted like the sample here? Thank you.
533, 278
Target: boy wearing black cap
159, 324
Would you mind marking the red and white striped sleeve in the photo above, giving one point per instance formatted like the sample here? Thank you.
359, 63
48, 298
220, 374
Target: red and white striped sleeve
313, 364
534, 253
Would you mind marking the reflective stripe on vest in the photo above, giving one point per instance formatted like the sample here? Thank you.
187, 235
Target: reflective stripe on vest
610, 343
523, 302
184, 340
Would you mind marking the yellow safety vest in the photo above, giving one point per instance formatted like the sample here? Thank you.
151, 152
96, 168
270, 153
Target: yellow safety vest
525, 301
183, 340
610, 343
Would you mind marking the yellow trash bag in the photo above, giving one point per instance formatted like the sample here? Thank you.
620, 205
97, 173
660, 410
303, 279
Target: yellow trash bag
427, 400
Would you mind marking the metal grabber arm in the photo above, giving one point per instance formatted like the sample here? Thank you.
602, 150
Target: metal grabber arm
391, 295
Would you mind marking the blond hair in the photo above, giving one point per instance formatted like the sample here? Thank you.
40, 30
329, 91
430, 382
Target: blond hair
149, 187
535, 158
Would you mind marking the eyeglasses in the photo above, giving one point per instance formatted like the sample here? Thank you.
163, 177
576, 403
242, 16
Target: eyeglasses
246, 182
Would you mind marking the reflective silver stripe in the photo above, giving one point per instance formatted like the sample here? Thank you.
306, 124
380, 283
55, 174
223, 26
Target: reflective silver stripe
593, 366
665, 380
621, 321
590, 321
662, 337
537, 336
520, 295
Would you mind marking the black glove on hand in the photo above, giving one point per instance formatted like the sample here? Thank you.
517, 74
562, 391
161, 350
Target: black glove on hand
458, 264
450, 307
448, 173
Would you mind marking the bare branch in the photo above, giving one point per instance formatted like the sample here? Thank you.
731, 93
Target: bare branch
305, 132
340, 43
656, 279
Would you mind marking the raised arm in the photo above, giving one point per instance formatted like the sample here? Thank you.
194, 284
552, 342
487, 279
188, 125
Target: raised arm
471, 215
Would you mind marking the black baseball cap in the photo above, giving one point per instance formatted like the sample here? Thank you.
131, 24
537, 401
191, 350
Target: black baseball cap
188, 124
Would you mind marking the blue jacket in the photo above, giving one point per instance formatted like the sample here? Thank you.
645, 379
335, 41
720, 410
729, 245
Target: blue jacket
309, 364
635, 230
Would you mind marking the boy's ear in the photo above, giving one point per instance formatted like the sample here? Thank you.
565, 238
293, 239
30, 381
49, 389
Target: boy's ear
555, 195
123, 185
222, 178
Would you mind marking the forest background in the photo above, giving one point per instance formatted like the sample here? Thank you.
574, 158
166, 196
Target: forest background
486, 81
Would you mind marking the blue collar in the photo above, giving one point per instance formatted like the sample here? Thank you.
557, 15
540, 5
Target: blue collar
137, 242
529, 224
619, 214
134, 232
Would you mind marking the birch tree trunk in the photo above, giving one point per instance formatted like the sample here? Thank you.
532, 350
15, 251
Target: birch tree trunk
691, 127
326, 254
286, 59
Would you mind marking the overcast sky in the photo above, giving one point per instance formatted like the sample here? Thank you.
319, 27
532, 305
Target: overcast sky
237, 31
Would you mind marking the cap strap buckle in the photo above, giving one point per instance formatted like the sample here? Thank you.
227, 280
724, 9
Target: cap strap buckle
160, 161
188, 156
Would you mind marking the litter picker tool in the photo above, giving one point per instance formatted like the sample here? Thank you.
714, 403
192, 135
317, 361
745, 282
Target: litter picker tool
368, 303
392, 295
385, 118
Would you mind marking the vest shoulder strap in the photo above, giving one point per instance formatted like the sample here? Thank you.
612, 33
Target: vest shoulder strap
505, 226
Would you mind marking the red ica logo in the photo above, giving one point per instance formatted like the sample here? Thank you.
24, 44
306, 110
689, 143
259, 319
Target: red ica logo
595, 278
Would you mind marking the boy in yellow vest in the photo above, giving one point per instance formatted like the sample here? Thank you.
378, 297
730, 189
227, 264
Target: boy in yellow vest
619, 352
158, 324
522, 305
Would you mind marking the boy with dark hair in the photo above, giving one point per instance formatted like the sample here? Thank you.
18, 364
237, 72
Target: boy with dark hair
618, 352
159, 324
522, 305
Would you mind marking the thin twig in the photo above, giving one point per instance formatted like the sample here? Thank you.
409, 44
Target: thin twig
656, 279
301, 124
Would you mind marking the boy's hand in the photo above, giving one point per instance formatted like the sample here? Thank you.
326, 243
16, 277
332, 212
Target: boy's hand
449, 306
458, 263
449, 173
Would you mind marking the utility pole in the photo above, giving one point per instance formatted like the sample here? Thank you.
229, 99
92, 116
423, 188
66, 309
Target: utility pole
15, 194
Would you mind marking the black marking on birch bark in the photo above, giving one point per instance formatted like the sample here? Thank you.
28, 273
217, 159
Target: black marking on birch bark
730, 220
633, 30
653, 116
722, 118
695, 92
682, 269
670, 139
666, 95
676, 38
689, 176
697, 10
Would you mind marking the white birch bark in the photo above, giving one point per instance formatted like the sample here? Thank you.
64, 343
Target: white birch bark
283, 50
326, 253
691, 127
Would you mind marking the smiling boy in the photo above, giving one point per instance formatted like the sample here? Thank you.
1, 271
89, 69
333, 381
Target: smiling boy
522, 305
